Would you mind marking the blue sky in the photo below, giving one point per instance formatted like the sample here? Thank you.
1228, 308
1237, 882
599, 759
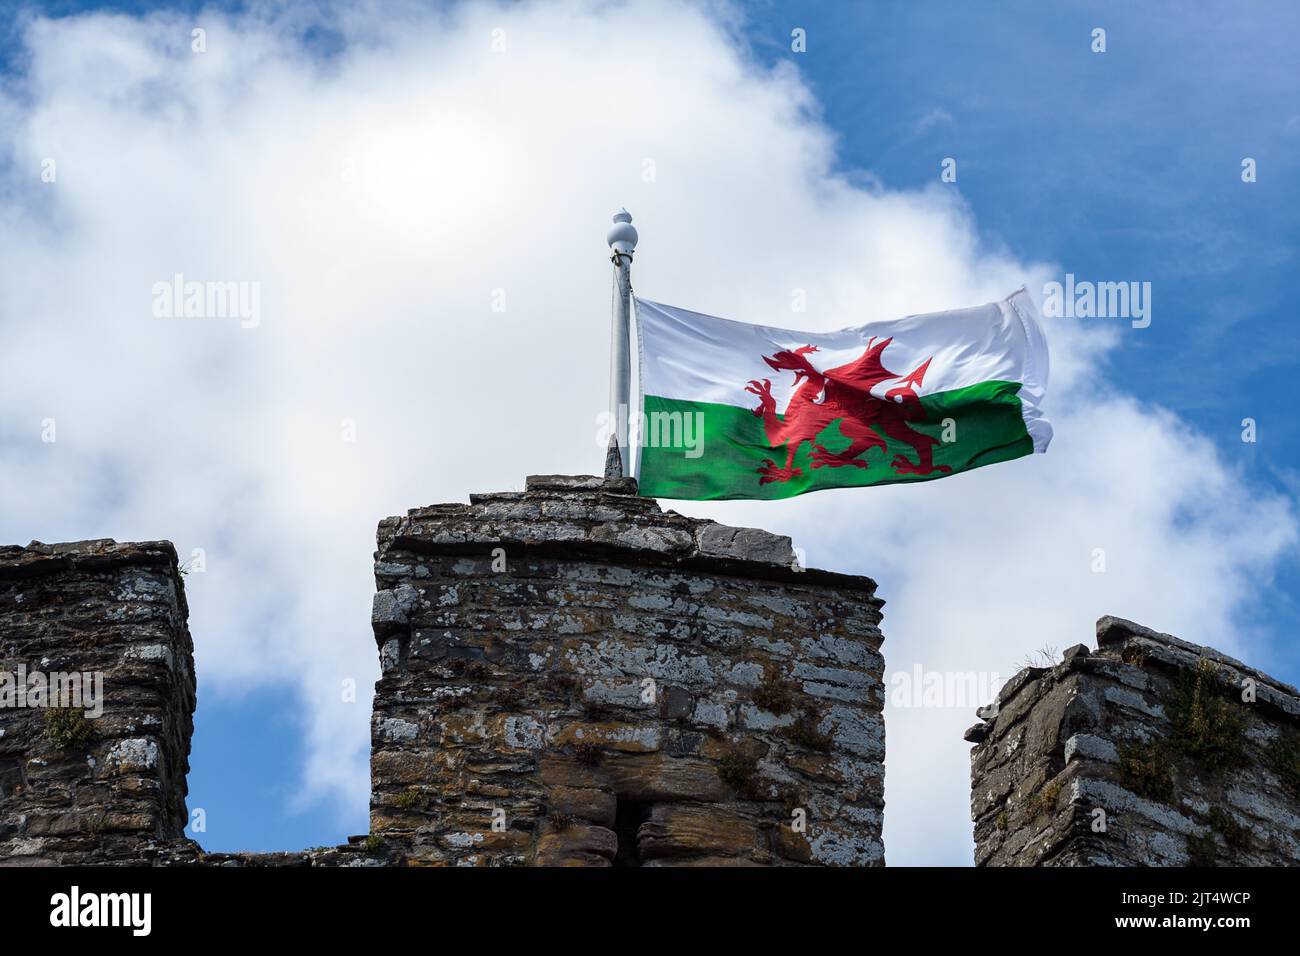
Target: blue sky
1122, 165
1115, 166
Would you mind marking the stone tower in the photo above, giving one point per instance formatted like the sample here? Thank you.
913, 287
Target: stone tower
1149, 751
572, 676
95, 782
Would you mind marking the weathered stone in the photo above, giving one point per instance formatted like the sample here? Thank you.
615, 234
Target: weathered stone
587, 803
976, 733
563, 483
677, 702
577, 845
1154, 737
570, 676
82, 782
585, 658
392, 609
792, 845
632, 738
688, 829
401, 767
744, 544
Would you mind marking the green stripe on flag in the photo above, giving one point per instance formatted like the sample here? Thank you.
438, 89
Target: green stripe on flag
986, 420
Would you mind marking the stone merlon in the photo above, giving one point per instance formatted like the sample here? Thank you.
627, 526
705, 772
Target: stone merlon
572, 675
1148, 751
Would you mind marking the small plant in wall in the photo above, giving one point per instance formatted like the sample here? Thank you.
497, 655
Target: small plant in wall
1209, 721
408, 799
774, 694
1047, 796
68, 728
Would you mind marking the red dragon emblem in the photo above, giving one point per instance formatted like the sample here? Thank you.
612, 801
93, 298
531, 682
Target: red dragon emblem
843, 394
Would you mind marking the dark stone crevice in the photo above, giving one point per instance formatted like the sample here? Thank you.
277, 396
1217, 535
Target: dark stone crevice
628, 817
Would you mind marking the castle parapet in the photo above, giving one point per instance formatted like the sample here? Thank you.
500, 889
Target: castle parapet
96, 701
573, 676
1149, 751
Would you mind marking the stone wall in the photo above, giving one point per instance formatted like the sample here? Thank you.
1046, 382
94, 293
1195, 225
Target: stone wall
1149, 751
90, 789
572, 676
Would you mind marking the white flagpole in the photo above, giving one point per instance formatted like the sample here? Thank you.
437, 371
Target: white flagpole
622, 241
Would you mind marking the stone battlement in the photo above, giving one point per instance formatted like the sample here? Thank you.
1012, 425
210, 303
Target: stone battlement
1149, 751
573, 676
78, 789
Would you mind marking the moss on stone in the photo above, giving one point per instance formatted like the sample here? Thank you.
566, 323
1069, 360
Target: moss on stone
1209, 723
68, 728
1046, 798
408, 799
1144, 768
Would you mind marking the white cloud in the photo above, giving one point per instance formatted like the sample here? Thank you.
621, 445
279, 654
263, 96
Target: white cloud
379, 198
936, 116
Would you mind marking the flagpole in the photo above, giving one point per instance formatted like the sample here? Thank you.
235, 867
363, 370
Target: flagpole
622, 243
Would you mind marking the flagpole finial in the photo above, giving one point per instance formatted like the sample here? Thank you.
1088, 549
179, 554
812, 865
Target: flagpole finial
622, 237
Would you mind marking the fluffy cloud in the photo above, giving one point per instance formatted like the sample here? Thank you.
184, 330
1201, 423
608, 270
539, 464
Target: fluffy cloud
385, 196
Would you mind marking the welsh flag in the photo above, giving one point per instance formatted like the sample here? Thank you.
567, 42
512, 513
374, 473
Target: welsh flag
730, 410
